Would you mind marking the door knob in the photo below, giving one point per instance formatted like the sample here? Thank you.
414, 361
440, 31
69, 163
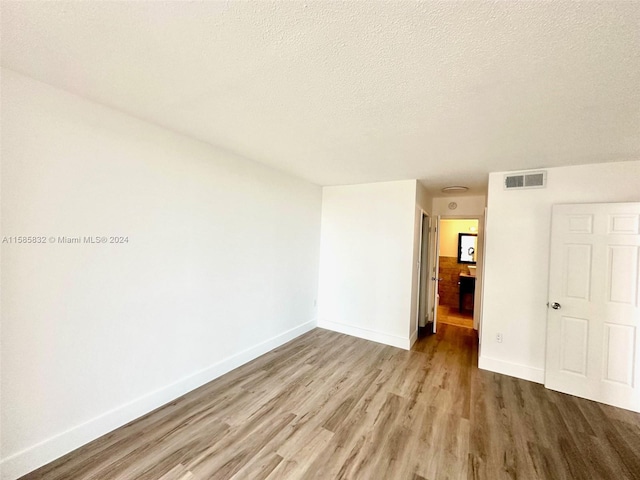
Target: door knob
556, 306
434, 278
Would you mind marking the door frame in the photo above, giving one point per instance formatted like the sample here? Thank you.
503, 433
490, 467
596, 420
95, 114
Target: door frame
429, 262
477, 298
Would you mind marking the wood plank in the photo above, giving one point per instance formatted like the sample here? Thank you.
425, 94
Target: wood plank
327, 406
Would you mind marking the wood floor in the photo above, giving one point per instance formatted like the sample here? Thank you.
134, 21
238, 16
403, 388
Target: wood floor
451, 316
330, 406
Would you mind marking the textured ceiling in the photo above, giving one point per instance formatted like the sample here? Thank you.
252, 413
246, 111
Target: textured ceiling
351, 92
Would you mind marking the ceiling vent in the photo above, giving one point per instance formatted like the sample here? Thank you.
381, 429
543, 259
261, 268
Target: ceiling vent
525, 180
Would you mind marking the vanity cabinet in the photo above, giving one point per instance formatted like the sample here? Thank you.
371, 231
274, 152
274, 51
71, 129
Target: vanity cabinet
467, 285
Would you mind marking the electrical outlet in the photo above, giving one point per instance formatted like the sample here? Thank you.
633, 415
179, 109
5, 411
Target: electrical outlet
315, 303
499, 337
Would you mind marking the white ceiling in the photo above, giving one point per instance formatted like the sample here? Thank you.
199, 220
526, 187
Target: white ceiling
351, 92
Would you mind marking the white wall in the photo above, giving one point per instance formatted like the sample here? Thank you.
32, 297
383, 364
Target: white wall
472, 205
517, 257
221, 266
366, 260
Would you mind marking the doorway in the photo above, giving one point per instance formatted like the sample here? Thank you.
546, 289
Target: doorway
458, 257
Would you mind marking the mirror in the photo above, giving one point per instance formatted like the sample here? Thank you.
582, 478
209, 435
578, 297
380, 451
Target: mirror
467, 247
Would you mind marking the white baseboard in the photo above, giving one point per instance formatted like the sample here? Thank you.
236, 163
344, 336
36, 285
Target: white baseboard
374, 336
413, 339
517, 370
48, 450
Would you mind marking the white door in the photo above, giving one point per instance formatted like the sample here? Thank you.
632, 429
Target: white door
436, 271
423, 271
593, 344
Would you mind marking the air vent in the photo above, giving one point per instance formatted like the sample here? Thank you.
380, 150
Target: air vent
525, 180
